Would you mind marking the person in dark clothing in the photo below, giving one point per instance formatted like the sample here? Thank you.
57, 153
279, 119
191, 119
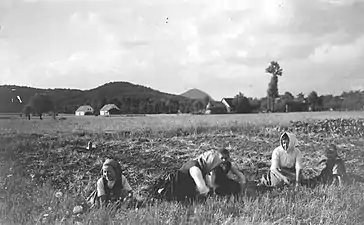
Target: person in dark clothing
205, 175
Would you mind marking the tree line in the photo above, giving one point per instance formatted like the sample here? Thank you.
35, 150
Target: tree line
137, 99
42, 103
352, 100
274, 102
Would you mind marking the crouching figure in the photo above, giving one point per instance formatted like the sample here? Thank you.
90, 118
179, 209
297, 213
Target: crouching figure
206, 174
286, 163
334, 172
200, 177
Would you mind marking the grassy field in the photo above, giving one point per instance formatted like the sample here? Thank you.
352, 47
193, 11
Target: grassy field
99, 124
42, 157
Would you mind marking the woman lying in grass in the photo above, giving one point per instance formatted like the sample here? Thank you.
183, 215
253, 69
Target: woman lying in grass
194, 173
112, 186
286, 163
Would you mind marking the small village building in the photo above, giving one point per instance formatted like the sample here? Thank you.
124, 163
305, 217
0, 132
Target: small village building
84, 110
228, 102
109, 109
215, 108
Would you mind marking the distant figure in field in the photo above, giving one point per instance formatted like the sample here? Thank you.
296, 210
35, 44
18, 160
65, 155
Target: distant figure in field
286, 163
112, 187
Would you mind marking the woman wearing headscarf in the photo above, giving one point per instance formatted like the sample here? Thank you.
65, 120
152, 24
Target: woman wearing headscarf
113, 185
195, 178
286, 163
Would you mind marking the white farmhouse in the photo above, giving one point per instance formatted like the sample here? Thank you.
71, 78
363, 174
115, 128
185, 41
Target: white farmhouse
84, 110
228, 102
109, 109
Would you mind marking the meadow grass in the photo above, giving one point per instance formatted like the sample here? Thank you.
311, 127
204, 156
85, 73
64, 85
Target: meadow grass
71, 123
39, 159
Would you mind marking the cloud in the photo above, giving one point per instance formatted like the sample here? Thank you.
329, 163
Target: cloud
31, 1
322, 17
134, 44
341, 2
102, 54
35, 1
219, 46
339, 54
7, 58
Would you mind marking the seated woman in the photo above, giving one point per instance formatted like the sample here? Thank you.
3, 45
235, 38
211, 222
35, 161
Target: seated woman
194, 174
112, 186
286, 163
334, 171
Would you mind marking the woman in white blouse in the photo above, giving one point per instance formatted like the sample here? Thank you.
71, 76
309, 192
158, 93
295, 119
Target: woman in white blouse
286, 163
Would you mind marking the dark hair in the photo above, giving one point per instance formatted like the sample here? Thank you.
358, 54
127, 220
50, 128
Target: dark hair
331, 150
285, 136
333, 147
223, 151
114, 164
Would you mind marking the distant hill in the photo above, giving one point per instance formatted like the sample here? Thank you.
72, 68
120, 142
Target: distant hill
130, 98
196, 94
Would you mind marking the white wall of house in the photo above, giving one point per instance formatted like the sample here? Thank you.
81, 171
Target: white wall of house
83, 112
228, 108
80, 113
104, 113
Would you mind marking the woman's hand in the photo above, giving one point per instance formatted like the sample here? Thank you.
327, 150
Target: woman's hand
129, 196
286, 180
242, 187
296, 186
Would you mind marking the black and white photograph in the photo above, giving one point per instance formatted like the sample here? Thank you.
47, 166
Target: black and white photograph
182, 112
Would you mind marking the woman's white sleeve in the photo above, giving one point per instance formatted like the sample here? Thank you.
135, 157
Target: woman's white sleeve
125, 183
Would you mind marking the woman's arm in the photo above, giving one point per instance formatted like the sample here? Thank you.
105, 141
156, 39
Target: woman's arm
102, 200
196, 175
101, 192
298, 167
281, 176
126, 186
276, 169
239, 174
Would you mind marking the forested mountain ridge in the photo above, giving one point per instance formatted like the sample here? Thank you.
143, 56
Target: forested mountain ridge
195, 93
137, 99
130, 98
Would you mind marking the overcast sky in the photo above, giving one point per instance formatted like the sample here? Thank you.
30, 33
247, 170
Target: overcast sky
221, 47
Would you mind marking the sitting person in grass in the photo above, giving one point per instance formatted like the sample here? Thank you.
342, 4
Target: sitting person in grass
194, 173
112, 187
334, 171
286, 163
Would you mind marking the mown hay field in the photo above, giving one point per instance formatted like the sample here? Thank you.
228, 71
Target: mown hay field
42, 158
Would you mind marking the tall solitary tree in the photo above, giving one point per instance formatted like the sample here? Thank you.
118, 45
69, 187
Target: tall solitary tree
275, 70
